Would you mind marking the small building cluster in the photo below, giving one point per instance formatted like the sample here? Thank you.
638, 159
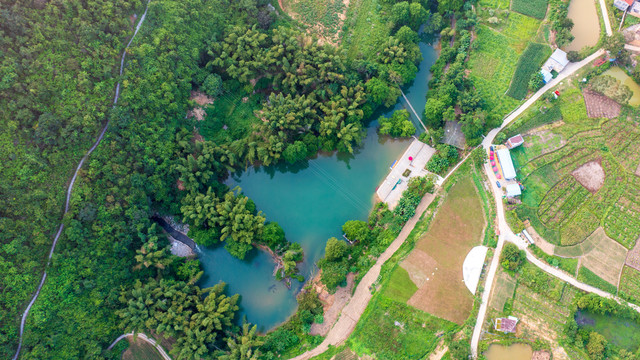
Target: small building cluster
632, 7
557, 62
506, 325
503, 167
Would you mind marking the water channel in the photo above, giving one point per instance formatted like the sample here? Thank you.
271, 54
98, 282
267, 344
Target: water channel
310, 201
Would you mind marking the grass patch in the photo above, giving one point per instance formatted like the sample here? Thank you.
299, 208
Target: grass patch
321, 15
532, 120
630, 284
141, 350
621, 332
528, 64
502, 291
587, 276
393, 330
400, 287
533, 8
568, 265
365, 27
226, 107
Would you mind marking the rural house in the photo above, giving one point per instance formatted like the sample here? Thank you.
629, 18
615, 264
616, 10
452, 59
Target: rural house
557, 62
515, 141
622, 5
513, 190
506, 325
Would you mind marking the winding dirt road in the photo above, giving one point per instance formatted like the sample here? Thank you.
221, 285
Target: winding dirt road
70, 189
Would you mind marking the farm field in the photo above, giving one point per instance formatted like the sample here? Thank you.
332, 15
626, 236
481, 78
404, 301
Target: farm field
529, 63
589, 277
578, 175
630, 284
503, 290
542, 304
456, 228
533, 8
499, 47
607, 258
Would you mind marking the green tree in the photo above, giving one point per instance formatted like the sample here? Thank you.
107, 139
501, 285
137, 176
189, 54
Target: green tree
335, 249
212, 85
295, 152
238, 226
356, 230
596, 345
512, 258
273, 234
536, 82
244, 346
398, 125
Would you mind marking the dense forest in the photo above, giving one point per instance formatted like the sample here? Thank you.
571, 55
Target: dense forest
112, 271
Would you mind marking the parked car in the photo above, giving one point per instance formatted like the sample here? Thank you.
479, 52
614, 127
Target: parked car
498, 183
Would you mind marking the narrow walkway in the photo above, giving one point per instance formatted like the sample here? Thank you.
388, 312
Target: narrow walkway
505, 231
605, 16
414, 110
144, 338
70, 189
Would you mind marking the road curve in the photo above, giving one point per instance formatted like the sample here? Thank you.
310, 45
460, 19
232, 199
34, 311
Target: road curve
144, 337
70, 189
505, 231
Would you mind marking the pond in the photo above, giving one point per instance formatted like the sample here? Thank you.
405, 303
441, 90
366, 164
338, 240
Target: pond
512, 352
586, 25
619, 74
621, 332
310, 201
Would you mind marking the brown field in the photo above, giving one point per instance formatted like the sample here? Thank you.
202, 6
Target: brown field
456, 229
503, 290
600, 106
590, 175
607, 258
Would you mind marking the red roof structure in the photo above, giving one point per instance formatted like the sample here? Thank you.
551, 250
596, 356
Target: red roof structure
506, 325
515, 141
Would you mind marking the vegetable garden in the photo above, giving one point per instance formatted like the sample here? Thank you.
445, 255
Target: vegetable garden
533, 8
528, 64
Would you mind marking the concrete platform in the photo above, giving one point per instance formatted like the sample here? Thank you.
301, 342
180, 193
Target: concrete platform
420, 153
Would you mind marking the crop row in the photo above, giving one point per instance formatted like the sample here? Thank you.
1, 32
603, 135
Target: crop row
579, 227
623, 225
630, 283
569, 207
560, 191
528, 64
533, 8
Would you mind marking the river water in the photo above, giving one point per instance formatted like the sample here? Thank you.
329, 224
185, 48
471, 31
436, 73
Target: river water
310, 201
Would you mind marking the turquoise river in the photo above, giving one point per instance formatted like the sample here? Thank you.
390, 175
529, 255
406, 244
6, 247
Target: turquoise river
310, 201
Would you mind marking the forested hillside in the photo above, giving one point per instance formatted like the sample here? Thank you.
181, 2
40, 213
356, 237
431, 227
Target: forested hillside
111, 270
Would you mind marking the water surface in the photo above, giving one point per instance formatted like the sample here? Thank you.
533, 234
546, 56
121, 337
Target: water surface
311, 201
621, 332
586, 25
619, 74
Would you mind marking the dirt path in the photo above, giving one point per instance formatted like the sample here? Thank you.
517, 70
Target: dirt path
144, 337
338, 301
439, 352
356, 306
70, 189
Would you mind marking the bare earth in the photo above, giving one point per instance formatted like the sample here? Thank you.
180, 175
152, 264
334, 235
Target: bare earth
541, 355
201, 99
416, 264
600, 106
606, 259
590, 175
334, 305
540, 242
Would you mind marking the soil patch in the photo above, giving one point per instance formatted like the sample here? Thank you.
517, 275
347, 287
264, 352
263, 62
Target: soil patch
541, 355
140, 349
503, 289
633, 256
333, 305
456, 229
590, 175
600, 106
417, 265
540, 242
638, 170
202, 100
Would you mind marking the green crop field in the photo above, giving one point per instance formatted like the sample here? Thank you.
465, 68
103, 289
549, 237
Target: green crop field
322, 16
630, 284
366, 29
564, 200
400, 286
493, 63
533, 8
587, 276
529, 63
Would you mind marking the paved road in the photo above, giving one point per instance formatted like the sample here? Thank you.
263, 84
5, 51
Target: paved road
505, 232
144, 337
605, 16
70, 189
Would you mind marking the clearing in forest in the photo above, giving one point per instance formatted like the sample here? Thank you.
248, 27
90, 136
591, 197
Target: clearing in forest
323, 18
455, 230
606, 259
140, 350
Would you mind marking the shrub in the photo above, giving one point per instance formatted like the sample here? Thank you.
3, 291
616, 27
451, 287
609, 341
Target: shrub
356, 230
398, 125
512, 258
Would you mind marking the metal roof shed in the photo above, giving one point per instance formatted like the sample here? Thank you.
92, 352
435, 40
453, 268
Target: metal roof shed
508, 171
513, 190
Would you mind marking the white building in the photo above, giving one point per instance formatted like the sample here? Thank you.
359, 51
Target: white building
508, 171
558, 61
513, 190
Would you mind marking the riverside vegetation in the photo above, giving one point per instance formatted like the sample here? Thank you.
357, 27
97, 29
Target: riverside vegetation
55, 98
